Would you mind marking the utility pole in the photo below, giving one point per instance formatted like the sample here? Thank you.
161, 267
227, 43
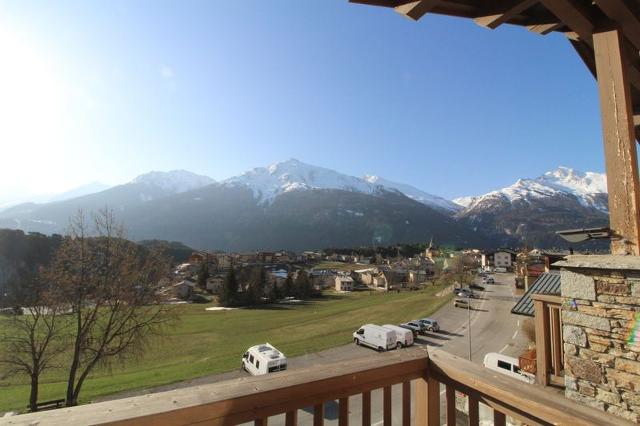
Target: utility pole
469, 322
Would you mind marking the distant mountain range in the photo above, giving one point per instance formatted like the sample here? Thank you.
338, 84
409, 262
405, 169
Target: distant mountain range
293, 205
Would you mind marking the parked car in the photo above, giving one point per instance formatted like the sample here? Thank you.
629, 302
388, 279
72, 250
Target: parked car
417, 326
461, 303
488, 280
475, 286
508, 366
404, 337
414, 330
376, 337
430, 324
263, 359
466, 292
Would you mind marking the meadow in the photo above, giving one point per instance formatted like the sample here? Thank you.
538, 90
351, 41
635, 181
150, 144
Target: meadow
203, 342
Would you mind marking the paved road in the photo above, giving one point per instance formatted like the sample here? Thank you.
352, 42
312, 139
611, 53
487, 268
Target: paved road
493, 329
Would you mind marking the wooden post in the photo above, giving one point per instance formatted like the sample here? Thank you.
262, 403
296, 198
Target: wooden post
343, 416
542, 339
474, 411
427, 404
450, 395
291, 418
318, 415
499, 419
366, 408
619, 141
406, 403
386, 410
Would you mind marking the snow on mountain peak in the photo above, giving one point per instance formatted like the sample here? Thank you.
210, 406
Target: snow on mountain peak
291, 175
578, 183
413, 193
584, 186
175, 181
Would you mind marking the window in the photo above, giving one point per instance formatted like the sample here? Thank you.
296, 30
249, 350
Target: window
257, 364
505, 365
251, 359
516, 369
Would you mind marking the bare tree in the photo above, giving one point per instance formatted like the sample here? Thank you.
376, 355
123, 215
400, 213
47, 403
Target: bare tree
30, 338
112, 287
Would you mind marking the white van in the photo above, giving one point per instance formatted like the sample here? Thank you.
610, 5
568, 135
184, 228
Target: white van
263, 359
404, 337
376, 337
508, 366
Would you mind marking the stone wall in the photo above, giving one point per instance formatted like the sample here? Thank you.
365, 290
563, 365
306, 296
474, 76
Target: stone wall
602, 368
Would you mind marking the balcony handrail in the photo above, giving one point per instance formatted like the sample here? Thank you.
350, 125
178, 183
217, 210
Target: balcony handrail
257, 398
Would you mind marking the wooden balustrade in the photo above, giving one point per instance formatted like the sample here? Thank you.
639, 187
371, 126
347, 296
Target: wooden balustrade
256, 399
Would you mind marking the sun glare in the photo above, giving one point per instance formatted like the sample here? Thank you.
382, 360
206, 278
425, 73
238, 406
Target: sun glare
32, 109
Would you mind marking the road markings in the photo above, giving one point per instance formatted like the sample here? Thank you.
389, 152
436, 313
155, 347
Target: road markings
503, 349
515, 335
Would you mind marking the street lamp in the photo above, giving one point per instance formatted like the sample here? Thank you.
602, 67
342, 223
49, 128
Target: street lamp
469, 322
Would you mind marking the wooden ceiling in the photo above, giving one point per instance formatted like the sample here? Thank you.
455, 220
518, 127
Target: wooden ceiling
576, 19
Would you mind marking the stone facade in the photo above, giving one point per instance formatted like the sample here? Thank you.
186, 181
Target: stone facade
600, 308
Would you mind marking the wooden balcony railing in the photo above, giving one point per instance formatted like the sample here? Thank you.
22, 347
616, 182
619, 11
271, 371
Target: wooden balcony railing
255, 399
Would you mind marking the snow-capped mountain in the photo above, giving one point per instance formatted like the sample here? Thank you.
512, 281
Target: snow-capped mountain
414, 193
267, 183
293, 175
533, 209
589, 188
174, 181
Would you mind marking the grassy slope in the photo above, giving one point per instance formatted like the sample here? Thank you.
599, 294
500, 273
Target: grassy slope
204, 343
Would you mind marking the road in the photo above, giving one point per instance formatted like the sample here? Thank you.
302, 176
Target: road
493, 329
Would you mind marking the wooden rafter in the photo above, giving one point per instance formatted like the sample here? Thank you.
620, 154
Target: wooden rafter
499, 17
574, 14
417, 9
620, 12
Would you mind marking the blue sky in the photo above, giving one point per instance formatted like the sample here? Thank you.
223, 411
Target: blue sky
116, 89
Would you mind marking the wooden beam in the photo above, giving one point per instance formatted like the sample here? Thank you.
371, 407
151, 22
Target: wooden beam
494, 20
619, 142
574, 14
624, 17
417, 9
318, 415
544, 29
586, 54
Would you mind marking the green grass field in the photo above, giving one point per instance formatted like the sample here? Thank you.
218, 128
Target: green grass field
204, 343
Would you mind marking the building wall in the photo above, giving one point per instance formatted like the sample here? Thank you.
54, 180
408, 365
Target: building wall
502, 259
601, 360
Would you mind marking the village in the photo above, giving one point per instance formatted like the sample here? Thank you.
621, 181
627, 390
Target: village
346, 273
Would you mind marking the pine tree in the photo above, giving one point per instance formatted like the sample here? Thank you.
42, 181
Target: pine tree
288, 286
229, 294
303, 287
203, 275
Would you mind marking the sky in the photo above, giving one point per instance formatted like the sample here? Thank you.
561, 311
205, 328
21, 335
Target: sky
106, 91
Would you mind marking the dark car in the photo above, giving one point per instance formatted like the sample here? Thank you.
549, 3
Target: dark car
413, 330
475, 286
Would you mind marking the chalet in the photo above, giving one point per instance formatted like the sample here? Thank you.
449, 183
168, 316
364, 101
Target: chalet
197, 257
185, 288
322, 278
343, 283
215, 283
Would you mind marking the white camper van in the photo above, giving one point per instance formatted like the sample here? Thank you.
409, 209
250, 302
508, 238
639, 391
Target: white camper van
376, 337
263, 359
507, 365
404, 337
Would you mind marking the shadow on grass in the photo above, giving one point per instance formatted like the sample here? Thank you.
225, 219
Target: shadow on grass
270, 307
